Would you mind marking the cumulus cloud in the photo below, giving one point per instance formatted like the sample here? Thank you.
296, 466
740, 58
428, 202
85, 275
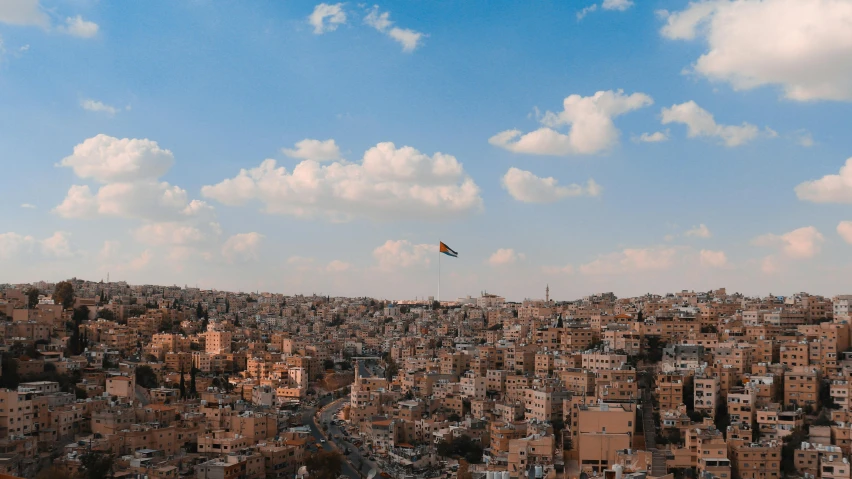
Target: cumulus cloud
389, 182
620, 5
77, 27
830, 188
844, 229
315, 150
243, 246
656, 137
632, 260
106, 159
529, 188
700, 122
337, 266
409, 39
567, 269
326, 18
128, 170
586, 10
24, 13
801, 243
589, 121
804, 138
98, 106
713, 259
504, 256
803, 46
56, 246
168, 233
395, 254
700, 231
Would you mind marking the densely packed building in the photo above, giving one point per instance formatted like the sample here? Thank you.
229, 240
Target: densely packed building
153, 382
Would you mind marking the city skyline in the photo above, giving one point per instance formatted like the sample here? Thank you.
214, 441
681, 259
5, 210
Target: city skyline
589, 146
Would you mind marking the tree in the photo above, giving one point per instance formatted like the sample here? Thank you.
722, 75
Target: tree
722, 419
192, 392
63, 294
182, 386
324, 464
146, 377
328, 364
462, 446
95, 465
106, 314
80, 314
32, 298
825, 398
53, 473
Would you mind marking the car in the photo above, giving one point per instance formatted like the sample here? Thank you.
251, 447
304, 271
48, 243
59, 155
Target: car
322, 441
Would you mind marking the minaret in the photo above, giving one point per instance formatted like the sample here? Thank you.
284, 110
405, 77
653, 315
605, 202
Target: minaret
547, 294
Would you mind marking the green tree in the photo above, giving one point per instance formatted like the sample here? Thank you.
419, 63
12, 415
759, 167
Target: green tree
80, 314
324, 464
106, 314
192, 392
32, 297
146, 377
182, 386
63, 294
94, 465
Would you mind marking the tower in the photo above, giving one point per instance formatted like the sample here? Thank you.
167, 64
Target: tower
547, 294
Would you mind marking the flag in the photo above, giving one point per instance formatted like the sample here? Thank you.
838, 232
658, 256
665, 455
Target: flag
447, 250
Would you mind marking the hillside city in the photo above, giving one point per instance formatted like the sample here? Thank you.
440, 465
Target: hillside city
112, 380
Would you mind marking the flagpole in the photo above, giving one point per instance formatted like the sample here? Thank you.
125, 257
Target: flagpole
439, 274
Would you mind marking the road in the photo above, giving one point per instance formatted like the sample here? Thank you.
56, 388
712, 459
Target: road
354, 460
309, 420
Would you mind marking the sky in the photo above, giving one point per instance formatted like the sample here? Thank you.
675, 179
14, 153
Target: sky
301, 147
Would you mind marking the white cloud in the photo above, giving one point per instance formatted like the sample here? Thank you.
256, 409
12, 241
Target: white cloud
168, 233
389, 182
804, 138
243, 246
409, 39
77, 27
57, 246
109, 251
620, 5
830, 188
587, 10
23, 12
803, 46
589, 121
700, 231
338, 266
139, 262
326, 18
713, 259
525, 186
504, 256
699, 122
98, 106
769, 265
28, 206
128, 169
844, 229
106, 159
395, 254
14, 244
656, 137
801, 243
632, 260
315, 150
149, 200
567, 269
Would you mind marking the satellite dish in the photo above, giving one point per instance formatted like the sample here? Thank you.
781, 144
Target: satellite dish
372, 474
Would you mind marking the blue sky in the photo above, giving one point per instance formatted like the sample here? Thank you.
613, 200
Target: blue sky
125, 127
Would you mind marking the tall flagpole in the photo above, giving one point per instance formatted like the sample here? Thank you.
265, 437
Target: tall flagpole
439, 274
